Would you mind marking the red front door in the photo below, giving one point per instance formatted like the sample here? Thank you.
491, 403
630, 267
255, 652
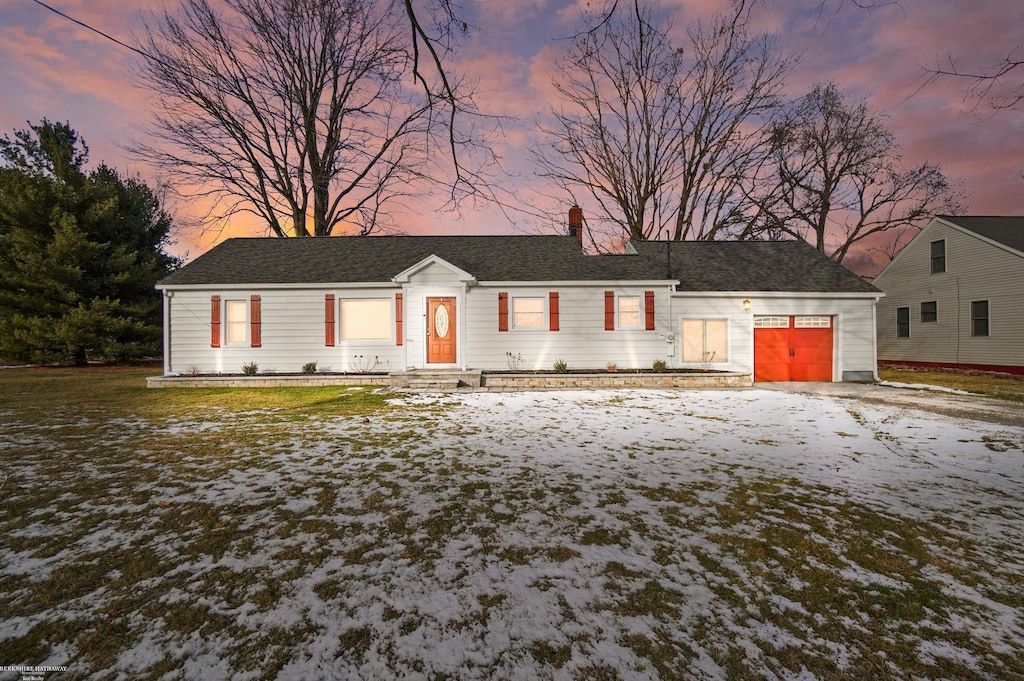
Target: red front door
441, 330
793, 349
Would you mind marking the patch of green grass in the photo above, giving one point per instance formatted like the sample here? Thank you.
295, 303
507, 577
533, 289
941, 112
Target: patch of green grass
1002, 386
121, 392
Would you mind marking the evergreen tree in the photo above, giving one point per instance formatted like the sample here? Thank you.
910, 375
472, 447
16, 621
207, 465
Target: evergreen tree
79, 254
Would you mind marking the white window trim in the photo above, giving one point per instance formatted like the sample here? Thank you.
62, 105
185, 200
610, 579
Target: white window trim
340, 320
545, 314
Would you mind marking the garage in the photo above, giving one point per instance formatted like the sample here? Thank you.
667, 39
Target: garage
792, 348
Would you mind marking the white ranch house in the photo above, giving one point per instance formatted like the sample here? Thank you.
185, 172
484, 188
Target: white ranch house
772, 310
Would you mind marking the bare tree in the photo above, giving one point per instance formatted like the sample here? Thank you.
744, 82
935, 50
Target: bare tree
660, 136
729, 93
993, 85
294, 110
838, 179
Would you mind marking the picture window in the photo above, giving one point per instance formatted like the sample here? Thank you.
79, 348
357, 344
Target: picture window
367, 319
706, 340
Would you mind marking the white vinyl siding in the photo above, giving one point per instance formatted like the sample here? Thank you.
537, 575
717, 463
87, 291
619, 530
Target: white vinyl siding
581, 340
975, 270
292, 335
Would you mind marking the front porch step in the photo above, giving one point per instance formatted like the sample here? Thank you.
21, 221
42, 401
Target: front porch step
434, 380
433, 386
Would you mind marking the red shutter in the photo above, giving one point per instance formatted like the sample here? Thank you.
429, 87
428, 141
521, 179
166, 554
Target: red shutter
553, 310
649, 310
399, 333
215, 321
502, 311
609, 310
255, 336
329, 320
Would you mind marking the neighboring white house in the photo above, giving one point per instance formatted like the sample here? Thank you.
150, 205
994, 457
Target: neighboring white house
776, 310
954, 296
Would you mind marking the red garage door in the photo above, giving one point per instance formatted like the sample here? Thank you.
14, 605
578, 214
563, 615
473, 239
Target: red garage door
792, 348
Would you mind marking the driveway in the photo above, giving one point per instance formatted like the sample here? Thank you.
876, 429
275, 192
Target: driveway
935, 401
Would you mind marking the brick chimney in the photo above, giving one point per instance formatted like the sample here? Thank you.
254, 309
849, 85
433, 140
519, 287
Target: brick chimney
576, 224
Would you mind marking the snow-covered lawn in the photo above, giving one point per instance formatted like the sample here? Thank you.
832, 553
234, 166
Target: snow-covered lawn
562, 535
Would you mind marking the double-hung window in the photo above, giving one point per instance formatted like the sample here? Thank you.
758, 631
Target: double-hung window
930, 311
938, 256
979, 317
629, 312
903, 322
236, 322
528, 313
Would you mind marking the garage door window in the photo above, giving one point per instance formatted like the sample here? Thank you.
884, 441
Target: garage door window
812, 322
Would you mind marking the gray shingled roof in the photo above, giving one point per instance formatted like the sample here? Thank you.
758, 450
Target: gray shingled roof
701, 266
776, 266
379, 258
1006, 230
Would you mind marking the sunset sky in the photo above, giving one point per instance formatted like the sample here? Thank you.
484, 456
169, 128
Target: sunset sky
55, 69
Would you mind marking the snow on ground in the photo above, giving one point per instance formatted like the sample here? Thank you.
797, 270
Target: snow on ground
562, 535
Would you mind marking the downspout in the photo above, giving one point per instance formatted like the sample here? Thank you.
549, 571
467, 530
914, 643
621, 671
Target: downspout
874, 334
463, 340
167, 331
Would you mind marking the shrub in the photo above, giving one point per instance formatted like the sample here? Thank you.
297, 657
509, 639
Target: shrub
659, 365
250, 368
561, 366
309, 368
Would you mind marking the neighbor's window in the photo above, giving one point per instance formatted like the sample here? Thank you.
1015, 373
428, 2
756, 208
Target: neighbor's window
366, 319
706, 340
629, 312
930, 311
979, 318
528, 313
236, 329
903, 322
938, 256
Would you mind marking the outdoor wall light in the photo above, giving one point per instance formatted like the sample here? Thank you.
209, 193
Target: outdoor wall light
746, 305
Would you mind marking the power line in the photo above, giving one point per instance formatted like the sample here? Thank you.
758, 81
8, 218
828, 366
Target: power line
95, 30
